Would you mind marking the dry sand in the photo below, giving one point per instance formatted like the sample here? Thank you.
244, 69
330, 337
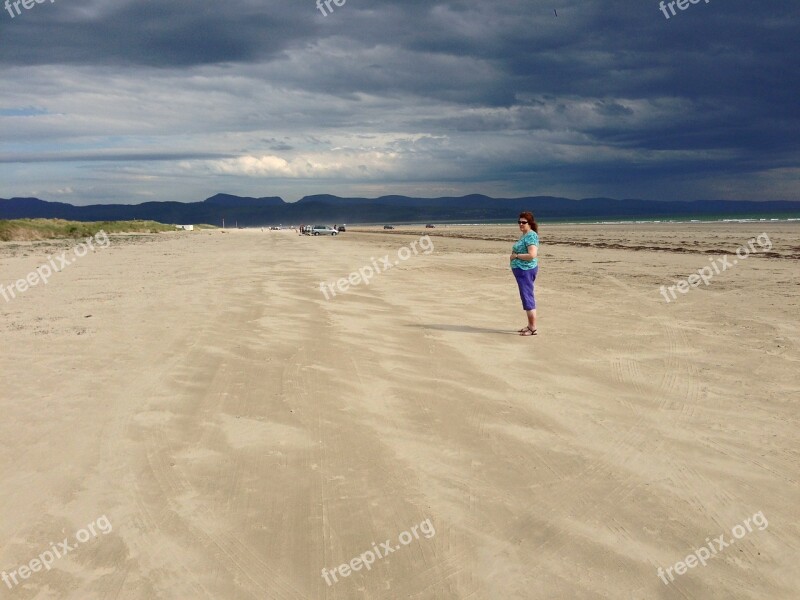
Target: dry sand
241, 433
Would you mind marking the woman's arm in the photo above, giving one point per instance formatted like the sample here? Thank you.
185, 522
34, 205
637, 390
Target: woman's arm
533, 252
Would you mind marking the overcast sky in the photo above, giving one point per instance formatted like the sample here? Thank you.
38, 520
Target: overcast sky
119, 101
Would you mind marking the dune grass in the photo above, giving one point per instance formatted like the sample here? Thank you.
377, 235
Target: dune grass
48, 229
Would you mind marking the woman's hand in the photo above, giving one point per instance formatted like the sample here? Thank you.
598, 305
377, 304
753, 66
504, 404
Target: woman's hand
512, 257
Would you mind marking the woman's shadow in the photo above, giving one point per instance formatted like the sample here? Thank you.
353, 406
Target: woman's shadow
461, 328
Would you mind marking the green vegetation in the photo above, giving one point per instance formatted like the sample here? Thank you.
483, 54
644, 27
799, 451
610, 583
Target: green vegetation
47, 229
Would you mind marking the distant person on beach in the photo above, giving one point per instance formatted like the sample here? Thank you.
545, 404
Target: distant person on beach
525, 266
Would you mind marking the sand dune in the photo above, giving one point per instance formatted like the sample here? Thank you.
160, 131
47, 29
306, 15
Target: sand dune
242, 433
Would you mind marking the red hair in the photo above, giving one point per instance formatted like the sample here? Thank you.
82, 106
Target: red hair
528, 216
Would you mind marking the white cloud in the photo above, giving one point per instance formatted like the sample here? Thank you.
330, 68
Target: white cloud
337, 163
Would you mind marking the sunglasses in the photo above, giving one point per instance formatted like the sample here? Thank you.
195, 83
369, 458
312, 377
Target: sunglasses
522, 222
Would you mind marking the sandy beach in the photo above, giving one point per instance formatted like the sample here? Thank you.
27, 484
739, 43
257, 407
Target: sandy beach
242, 430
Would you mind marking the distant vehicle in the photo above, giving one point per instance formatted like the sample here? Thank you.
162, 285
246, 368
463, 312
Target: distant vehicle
429, 226
323, 230
388, 226
273, 228
342, 229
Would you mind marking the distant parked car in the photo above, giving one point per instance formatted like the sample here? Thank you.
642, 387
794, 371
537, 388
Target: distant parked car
388, 226
429, 226
323, 230
342, 229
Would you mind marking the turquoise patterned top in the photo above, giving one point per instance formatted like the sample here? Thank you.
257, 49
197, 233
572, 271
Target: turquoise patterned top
521, 247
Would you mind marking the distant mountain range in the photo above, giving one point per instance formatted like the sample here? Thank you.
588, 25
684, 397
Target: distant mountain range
389, 209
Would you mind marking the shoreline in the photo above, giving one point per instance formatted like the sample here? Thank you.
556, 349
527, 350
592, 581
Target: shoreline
700, 238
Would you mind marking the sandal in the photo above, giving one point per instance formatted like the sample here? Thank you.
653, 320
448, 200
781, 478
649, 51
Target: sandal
527, 331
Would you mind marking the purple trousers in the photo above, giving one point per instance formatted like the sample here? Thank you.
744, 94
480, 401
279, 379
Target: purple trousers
525, 279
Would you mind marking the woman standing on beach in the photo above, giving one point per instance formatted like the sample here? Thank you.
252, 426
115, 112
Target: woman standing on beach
525, 266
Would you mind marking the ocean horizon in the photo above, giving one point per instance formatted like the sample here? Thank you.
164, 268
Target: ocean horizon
603, 220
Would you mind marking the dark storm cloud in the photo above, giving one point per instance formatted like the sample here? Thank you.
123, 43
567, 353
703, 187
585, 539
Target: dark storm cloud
152, 33
109, 156
727, 50
494, 90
